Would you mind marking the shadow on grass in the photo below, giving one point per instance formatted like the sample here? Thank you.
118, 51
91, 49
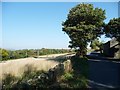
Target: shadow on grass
71, 80
60, 59
80, 65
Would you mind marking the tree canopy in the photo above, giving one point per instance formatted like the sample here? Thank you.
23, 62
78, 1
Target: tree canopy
4, 54
96, 44
83, 24
112, 29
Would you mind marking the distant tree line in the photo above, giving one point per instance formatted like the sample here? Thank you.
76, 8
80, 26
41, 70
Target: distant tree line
15, 54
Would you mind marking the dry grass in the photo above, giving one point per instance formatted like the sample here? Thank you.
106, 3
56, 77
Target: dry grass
18, 66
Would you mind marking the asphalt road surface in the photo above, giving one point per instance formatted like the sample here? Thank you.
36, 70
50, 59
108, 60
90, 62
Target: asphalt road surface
103, 73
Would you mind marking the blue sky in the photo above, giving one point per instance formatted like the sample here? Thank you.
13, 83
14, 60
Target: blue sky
38, 25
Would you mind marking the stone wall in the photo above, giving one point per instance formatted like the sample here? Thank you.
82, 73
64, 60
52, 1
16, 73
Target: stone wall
59, 70
54, 73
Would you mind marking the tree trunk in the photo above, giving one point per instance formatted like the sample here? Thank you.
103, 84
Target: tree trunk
81, 52
78, 53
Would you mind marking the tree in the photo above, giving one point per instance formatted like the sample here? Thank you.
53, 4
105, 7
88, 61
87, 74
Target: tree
83, 24
112, 29
5, 54
96, 44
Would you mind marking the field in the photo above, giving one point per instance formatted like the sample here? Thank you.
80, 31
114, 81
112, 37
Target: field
17, 67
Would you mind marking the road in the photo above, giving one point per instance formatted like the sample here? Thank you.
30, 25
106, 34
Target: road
103, 73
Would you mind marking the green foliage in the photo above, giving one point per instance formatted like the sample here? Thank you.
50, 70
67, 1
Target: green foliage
4, 54
96, 44
80, 66
83, 24
78, 77
67, 76
26, 81
71, 80
112, 29
9, 54
67, 80
8, 81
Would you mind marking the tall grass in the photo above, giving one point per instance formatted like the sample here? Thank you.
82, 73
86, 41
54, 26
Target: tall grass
28, 73
17, 67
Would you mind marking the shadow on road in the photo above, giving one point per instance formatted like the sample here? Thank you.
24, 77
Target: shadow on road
103, 72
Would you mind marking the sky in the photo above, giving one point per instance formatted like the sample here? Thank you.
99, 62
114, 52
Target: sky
34, 25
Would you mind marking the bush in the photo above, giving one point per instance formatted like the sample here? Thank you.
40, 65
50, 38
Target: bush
70, 80
8, 81
67, 77
80, 65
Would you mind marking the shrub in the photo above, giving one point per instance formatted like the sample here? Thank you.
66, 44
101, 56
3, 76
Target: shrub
8, 81
80, 65
70, 80
67, 77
